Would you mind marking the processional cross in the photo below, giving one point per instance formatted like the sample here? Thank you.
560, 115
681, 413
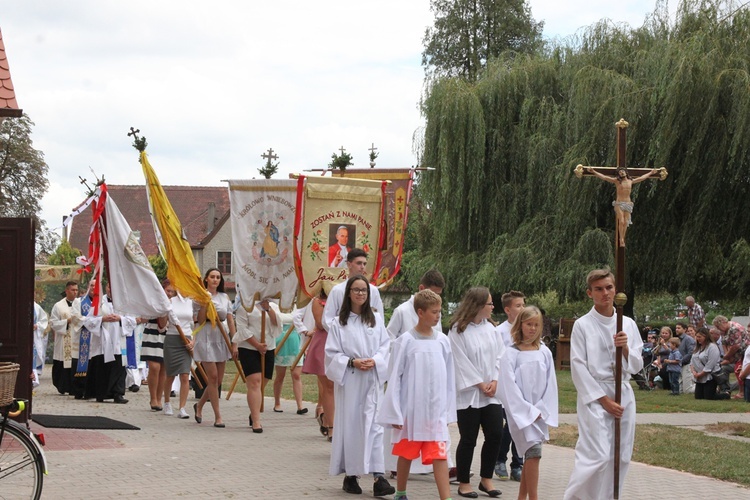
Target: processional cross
620, 177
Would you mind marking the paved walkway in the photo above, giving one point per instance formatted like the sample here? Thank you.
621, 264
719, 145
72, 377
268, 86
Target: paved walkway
171, 458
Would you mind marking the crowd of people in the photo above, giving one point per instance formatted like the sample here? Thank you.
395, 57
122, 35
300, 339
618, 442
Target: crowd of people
696, 359
387, 393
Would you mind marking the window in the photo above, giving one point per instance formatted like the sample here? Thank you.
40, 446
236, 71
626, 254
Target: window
224, 262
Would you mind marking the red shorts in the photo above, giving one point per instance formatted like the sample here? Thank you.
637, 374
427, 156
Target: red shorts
430, 450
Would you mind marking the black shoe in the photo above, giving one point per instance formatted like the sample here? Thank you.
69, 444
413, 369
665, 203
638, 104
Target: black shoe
134, 388
382, 487
78, 396
120, 400
172, 394
491, 493
302, 411
470, 494
195, 412
351, 485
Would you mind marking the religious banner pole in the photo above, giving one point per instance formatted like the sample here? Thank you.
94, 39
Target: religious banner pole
620, 176
262, 359
283, 339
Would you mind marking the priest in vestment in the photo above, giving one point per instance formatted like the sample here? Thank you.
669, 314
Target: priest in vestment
64, 322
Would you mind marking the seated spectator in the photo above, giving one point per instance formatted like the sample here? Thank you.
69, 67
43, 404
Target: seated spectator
662, 351
703, 364
735, 339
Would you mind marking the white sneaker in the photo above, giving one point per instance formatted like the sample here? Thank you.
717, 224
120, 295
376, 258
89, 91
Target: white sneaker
168, 409
183, 414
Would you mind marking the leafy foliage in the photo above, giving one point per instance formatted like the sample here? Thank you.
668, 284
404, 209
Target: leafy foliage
341, 161
502, 207
269, 169
159, 265
64, 255
468, 33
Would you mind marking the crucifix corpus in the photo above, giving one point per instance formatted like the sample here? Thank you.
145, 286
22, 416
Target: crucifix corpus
620, 176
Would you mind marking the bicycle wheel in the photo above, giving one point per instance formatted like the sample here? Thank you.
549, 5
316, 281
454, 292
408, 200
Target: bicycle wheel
21, 473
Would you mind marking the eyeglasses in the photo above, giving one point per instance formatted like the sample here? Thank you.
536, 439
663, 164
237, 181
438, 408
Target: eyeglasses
359, 291
490, 304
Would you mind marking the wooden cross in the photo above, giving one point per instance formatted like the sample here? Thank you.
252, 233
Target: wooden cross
620, 176
372, 149
269, 155
623, 208
134, 132
342, 150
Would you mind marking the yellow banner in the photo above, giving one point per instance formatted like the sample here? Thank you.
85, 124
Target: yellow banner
335, 215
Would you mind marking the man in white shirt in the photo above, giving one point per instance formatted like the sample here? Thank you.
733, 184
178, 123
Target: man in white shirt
404, 317
356, 263
593, 345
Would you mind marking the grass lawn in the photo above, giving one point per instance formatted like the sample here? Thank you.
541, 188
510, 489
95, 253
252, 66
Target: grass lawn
698, 452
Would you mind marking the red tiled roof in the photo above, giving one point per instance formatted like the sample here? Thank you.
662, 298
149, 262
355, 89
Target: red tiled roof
190, 203
8, 104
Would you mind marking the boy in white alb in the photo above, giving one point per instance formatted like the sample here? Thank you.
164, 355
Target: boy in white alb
405, 318
513, 303
420, 400
745, 374
593, 345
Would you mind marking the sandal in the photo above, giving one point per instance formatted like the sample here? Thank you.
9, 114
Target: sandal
328, 434
323, 428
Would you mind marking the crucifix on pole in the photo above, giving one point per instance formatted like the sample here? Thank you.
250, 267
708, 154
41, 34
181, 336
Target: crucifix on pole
620, 176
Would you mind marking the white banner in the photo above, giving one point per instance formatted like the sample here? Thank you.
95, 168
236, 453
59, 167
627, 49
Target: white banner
135, 288
262, 214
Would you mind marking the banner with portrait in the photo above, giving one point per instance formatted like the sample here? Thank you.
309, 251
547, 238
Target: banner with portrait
398, 194
335, 215
262, 215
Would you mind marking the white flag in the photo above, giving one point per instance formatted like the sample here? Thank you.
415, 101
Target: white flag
262, 215
135, 288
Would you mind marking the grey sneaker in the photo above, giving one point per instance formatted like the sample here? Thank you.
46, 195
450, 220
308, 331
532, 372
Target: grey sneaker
168, 409
501, 471
515, 473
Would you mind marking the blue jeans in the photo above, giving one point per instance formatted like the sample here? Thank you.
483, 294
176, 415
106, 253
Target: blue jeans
674, 382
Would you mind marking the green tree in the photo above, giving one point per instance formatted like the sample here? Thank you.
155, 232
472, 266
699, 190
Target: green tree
64, 255
269, 169
504, 209
468, 33
23, 179
159, 265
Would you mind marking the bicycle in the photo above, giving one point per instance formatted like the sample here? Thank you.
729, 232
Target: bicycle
22, 460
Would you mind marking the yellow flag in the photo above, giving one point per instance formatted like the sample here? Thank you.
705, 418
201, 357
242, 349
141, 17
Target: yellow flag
182, 270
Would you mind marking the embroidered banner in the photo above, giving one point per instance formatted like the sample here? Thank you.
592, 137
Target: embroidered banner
398, 194
335, 215
262, 214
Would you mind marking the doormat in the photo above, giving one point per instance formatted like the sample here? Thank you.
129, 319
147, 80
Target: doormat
81, 422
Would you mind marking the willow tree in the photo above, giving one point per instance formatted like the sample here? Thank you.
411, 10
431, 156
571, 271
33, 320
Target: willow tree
504, 207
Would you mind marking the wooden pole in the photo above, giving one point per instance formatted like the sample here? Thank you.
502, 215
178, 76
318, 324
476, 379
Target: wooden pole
620, 300
283, 340
234, 384
301, 352
200, 368
263, 360
229, 346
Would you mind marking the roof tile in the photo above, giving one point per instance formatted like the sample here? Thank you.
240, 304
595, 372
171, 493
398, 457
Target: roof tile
190, 203
9, 99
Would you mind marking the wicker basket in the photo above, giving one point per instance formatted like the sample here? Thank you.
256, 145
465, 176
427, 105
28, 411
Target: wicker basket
8, 374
